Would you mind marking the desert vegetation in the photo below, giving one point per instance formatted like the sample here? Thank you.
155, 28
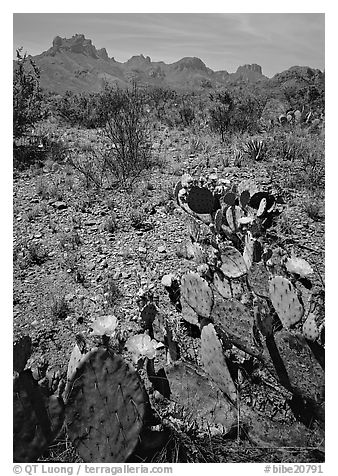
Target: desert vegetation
168, 263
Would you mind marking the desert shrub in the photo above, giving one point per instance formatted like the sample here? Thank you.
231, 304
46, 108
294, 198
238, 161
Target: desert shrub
256, 149
314, 208
82, 109
112, 292
36, 254
220, 112
59, 307
137, 218
187, 114
90, 162
127, 139
159, 99
36, 149
110, 224
299, 158
27, 94
246, 113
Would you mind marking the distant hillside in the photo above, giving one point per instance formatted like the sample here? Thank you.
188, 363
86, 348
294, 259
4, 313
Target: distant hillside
75, 64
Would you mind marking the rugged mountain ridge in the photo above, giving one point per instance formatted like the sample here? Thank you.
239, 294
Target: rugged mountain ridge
75, 64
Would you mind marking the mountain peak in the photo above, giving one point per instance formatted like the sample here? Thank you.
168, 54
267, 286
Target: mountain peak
190, 62
76, 44
138, 59
255, 68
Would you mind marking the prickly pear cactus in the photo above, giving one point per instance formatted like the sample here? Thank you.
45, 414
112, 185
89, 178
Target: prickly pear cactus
200, 398
75, 359
233, 264
200, 200
244, 198
233, 215
218, 220
36, 418
105, 408
197, 293
222, 284
229, 199
310, 328
214, 362
21, 352
248, 253
285, 301
177, 188
232, 317
263, 317
188, 314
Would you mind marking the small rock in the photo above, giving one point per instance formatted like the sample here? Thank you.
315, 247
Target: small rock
161, 249
60, 205
126, 274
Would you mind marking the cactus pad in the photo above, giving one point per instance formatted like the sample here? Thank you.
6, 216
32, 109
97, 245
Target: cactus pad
177, 188
310, 328
232, 317
74, 361
285, 301
263, 318
148, 314
218, 220
196, 291
248, 254
200, 200
199, 397
222, 285
105, 408
22, 347
257, 198
233, 214
233, 264
214, 362
36, 418
230, 199
188, 314
262, 207
244, 198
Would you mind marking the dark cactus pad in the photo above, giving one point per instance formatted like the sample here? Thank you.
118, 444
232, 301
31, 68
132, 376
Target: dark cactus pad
36, 418
105, 408
200, 200
256, 199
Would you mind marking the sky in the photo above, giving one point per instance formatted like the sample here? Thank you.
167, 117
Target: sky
223, 41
